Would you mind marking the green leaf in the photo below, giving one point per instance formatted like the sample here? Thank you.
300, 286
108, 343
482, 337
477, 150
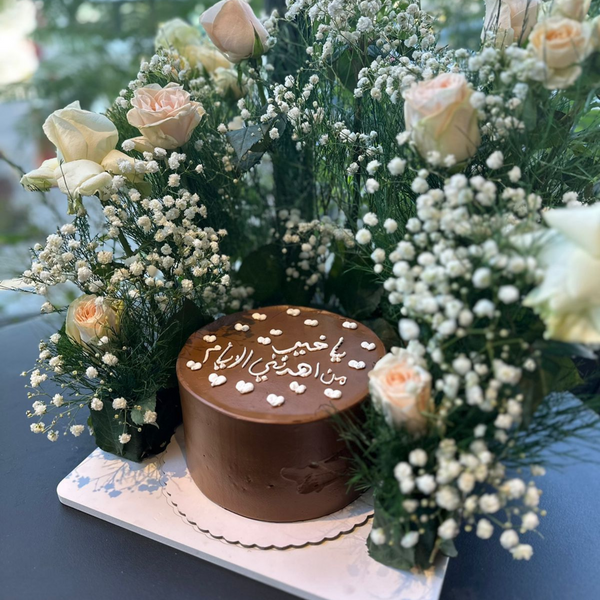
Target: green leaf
447, 548
554, 374
150, 440
553, 347
242, 140
386, 332
264, 271
391, 553
250, 143
137, 414
258, 48
366, 290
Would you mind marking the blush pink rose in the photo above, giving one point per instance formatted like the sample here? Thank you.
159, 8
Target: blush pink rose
234, 30
166, 117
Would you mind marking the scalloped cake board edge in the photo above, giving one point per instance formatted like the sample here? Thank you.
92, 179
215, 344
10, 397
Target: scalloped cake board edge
132, 496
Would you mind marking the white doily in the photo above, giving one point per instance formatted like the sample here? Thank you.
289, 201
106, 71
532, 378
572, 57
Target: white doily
208, 517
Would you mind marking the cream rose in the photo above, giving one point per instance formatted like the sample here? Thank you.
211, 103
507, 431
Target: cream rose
80, 134
572, 9
187, 40
166, 117
90, 318
512, 20
439, 114
234, 30
82, 178
178, 34
207, 57
561, 44
568, 299
119, 163
401, 390
226, 82
42, 178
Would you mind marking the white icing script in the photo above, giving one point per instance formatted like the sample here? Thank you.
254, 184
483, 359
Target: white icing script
335, 356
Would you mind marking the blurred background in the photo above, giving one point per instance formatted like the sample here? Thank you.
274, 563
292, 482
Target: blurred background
53, 52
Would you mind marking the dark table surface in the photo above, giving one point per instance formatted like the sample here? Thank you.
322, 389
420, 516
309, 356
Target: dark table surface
49, 551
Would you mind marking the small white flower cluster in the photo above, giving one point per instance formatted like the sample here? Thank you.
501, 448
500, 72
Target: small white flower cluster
457, 275
308, 246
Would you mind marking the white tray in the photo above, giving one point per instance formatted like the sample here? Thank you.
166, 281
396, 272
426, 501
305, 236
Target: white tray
146, 498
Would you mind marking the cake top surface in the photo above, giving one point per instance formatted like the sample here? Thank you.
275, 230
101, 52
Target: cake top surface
281, 364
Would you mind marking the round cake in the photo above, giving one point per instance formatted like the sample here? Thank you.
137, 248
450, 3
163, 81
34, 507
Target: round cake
258, 389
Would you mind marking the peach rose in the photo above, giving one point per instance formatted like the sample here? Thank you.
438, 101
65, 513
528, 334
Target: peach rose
439, 114
166, 117
235, 30
561, 44
512, 20
90, 318
401, 390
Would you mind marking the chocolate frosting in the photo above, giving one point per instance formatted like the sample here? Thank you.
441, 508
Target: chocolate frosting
253, 444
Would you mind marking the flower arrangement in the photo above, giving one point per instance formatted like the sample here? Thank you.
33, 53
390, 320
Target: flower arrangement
338, 156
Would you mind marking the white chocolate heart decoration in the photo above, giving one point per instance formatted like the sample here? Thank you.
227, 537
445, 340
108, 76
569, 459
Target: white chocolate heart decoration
356, 364
297, 387
196, 366
259, 316
209, 338
333, 394
275, 400
244, 387
349, 325
293, 312
216, 380
275, 332
311, 322
265, 341
368, 345
241, 327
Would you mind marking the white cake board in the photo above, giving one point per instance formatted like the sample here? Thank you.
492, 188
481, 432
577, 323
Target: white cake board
134, 496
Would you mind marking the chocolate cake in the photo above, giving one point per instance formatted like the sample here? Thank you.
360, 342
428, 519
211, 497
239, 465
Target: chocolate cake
257, 391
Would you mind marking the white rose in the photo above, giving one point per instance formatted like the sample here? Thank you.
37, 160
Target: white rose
82, 178
568, 299
572, 9
43, 177
561, 44
235, 30
401, 390
80, 134
439, 114
512, 20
